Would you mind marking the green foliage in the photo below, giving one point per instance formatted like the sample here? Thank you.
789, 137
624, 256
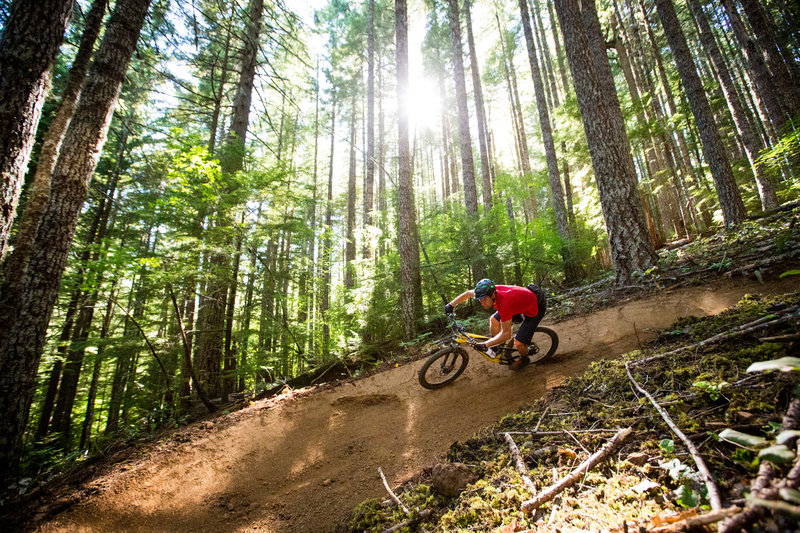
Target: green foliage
781, 160
712, 389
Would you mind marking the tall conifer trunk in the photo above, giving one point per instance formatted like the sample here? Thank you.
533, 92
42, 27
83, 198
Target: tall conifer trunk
733, 211
483, 128
556, 190
406, 223
28, 48
752, 144
21, 343
631, 249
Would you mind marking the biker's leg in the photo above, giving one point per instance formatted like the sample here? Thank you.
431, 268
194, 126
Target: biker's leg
494, 324
521, 348
525, 332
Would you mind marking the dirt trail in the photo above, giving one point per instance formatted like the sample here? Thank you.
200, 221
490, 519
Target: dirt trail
302, 465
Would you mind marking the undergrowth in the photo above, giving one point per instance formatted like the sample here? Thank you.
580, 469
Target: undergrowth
704, 391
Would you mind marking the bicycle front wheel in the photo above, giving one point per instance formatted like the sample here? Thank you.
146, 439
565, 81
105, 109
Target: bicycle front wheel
443, 367
546, 342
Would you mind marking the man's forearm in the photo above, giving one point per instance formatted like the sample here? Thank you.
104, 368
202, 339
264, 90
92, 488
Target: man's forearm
462, 297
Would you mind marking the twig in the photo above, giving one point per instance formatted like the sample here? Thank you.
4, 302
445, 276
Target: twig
713, 493
742, 330
575, 475
519, 464
539, 423
781, 338
422, 515
576, 440
559, 432
395, 498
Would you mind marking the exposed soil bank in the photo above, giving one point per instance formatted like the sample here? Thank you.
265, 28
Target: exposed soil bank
303, 463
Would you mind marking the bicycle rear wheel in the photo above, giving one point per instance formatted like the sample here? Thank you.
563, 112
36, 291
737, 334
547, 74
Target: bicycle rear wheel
443, 367
546, 342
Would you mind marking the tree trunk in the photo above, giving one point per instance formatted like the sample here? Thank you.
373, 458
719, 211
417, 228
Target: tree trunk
733, 211
211, 313
350, 237
609, 148
327, 245
28, 48
556, 190
751, 142
88, 419
68, 388
765, 34
229, 381
477, 91
21, 343
16, 264
544, 50
465, 138
370, 166
760, 75
406, 224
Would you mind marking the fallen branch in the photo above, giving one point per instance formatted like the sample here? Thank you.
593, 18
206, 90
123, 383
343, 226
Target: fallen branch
713, 493
781, 338
561, 432
575, 475
519, 464
539, 423
395, 498
762, 263
744, 329
405, 523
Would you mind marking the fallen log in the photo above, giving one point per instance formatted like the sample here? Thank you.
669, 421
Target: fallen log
547, 495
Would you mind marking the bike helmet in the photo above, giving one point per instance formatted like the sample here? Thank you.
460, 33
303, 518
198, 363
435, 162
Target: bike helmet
484, 288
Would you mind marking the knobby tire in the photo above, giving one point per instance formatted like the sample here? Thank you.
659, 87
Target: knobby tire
547, 341
456, 358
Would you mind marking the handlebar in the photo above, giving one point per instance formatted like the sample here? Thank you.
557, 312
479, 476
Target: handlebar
460, 328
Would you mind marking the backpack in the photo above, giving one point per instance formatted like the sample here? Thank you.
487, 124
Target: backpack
541, 296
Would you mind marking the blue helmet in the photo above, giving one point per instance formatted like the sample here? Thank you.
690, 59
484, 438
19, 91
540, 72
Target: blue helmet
484, 288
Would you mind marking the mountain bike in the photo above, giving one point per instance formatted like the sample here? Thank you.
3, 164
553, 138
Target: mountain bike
449, 362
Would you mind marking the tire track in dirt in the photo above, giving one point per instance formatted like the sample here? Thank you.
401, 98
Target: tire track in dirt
303, 464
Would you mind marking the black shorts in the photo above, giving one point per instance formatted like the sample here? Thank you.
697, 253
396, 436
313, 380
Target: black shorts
529, 323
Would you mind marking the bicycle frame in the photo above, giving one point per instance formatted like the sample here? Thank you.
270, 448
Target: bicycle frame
464, 337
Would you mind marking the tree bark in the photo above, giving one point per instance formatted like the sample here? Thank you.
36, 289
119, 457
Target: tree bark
759, 73
483, 129
28, 48
765, 35
21, 343
350, 237
16, 265
370, 166
752, 144
556, 189
730, 199
631, 249
406, 223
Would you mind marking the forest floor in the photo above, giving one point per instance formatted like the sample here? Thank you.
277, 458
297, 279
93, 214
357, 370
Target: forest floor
303, 460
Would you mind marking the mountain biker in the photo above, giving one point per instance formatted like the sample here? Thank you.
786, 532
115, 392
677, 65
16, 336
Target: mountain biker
513, 304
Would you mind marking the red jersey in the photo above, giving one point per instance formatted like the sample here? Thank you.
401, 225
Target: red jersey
511, 300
